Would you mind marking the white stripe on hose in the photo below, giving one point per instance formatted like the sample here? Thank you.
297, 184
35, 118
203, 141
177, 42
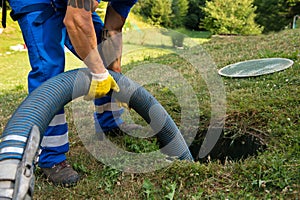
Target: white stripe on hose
12, 150
58, 120
14, 137
7, 193
55, 141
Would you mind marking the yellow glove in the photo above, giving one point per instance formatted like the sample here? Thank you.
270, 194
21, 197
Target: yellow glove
101, 84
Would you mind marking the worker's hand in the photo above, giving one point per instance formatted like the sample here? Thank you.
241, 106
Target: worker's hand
101, 84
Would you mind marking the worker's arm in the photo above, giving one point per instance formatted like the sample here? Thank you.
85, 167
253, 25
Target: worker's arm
112, 39
116, 14
79, 24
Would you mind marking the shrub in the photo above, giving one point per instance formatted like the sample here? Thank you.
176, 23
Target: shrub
231, 17
157, 12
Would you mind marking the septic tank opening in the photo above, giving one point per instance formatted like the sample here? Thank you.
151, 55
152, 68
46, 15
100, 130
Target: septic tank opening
232, 145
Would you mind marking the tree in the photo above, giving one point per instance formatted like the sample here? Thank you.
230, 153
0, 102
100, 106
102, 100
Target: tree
158, 12
231, 17
143, 8
275, 15
195, 14
179, 12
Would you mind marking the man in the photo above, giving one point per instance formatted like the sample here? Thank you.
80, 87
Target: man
49, 25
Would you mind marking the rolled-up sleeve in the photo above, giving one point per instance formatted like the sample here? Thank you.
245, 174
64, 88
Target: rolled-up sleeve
122, 6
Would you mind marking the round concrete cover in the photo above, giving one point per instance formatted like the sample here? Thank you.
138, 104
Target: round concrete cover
256, 67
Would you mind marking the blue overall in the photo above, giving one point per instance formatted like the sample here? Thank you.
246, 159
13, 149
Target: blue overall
45, 41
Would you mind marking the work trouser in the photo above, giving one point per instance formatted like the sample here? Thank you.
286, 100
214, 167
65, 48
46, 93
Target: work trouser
45, 43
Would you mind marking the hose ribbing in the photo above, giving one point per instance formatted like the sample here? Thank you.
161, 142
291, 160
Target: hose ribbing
44, 102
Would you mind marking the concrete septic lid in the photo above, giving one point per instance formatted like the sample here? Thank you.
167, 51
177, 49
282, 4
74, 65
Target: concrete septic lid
256, 67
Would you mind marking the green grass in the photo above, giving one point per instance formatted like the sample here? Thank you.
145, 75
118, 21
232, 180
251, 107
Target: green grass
198, 36
266, 106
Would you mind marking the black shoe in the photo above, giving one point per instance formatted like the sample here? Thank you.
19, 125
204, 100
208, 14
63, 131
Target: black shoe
62, 174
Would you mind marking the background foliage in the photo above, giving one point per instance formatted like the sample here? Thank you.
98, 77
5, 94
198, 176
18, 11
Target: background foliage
228, 16
271, 15
275, 15
195, 14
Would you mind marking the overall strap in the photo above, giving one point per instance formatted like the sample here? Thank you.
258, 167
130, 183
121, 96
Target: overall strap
3, 20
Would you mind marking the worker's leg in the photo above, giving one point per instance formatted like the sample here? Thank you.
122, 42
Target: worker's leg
47, 59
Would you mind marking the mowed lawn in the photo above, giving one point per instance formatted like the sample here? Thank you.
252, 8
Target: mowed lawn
266, 107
